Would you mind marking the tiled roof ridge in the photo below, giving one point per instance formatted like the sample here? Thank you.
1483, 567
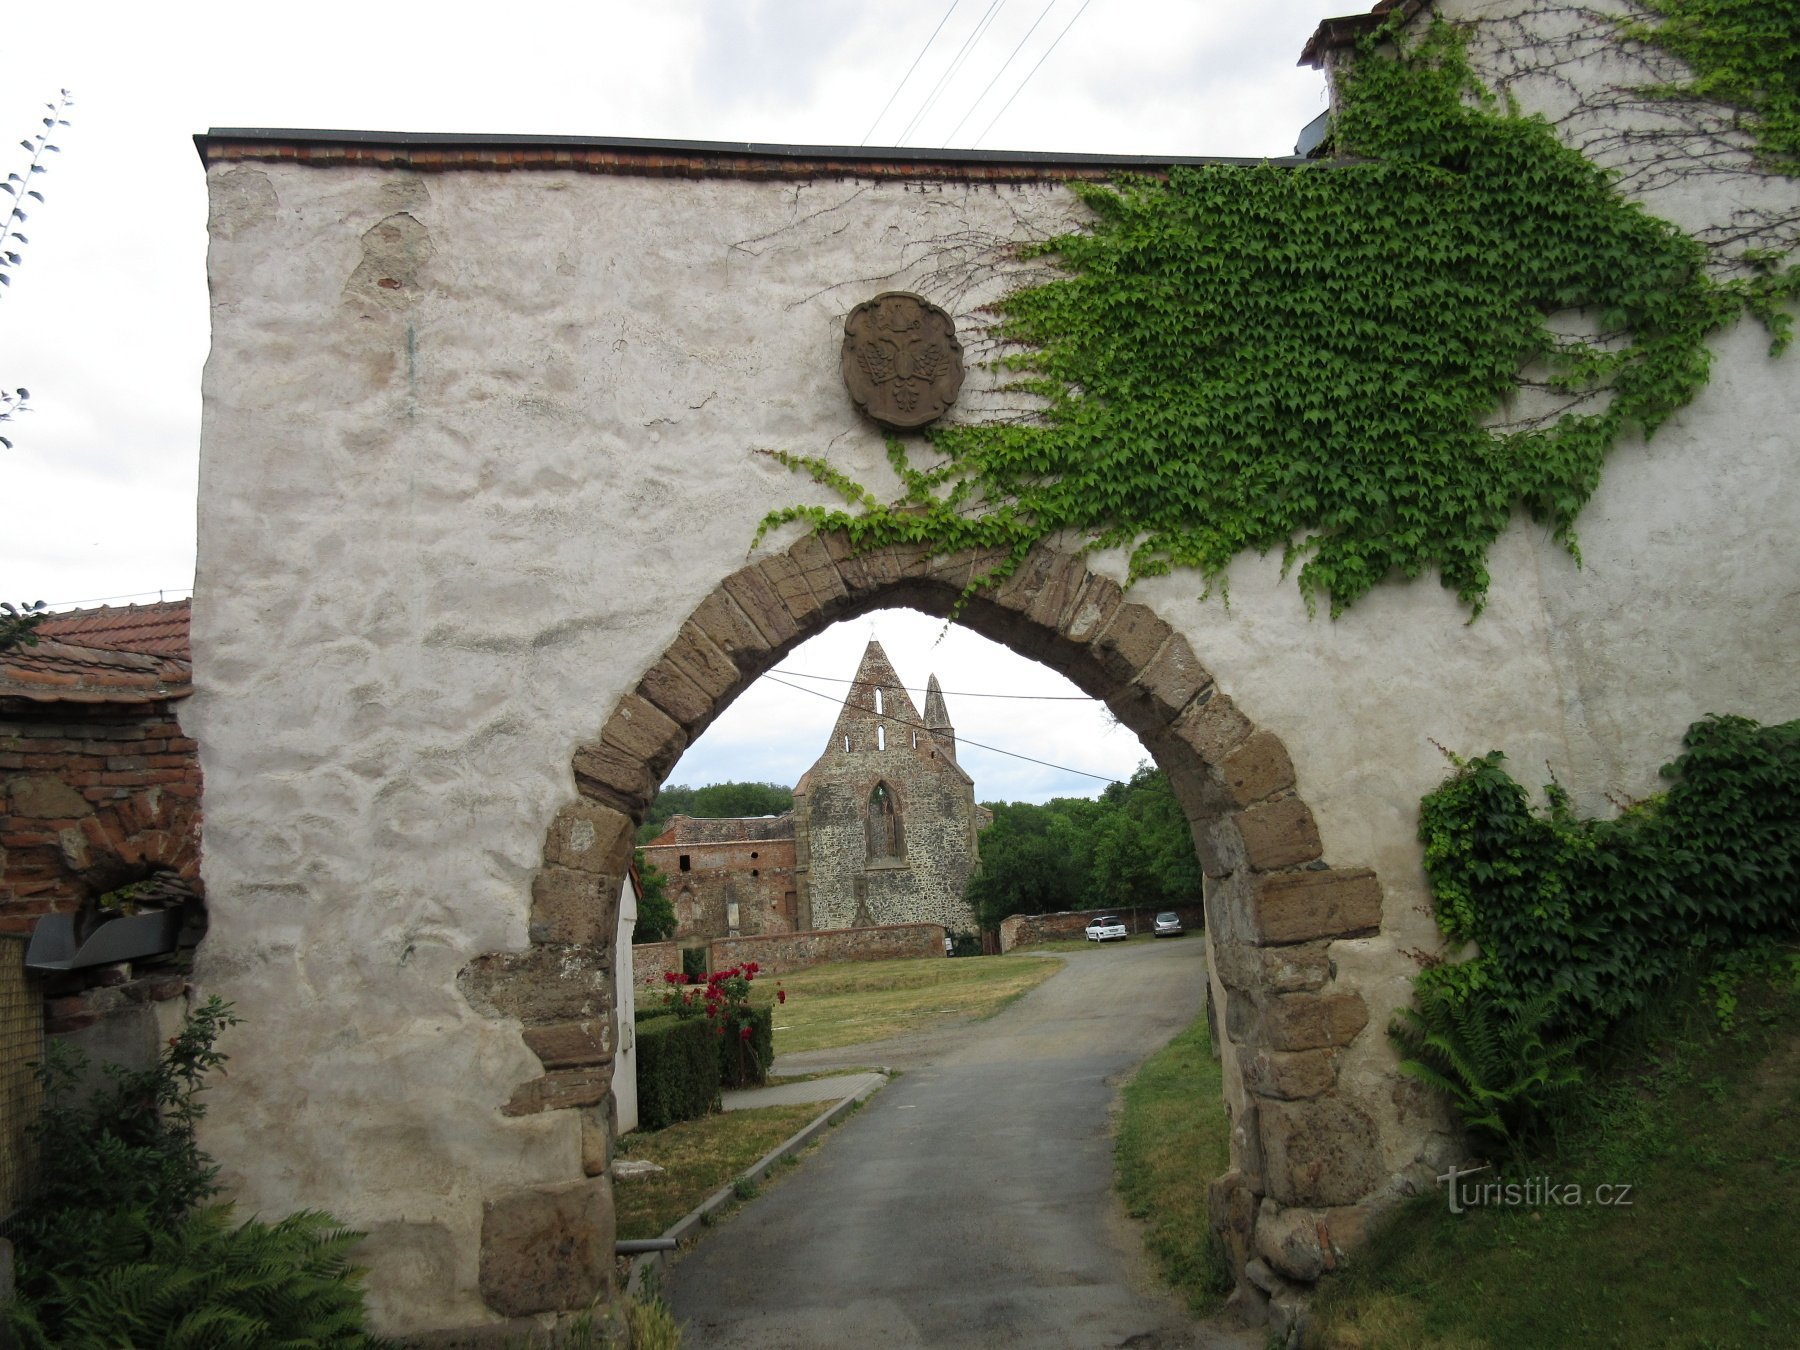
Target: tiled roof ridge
106, 654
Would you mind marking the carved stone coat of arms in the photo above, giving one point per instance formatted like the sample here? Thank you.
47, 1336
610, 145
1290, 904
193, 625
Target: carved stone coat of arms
901, 359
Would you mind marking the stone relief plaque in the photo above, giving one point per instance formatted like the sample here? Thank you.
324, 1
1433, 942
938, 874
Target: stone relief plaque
901, 360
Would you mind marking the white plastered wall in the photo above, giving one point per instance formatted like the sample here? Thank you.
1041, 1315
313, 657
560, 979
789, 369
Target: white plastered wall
446, 525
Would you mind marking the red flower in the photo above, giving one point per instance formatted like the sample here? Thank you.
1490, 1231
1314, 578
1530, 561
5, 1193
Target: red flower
670, 977
752, 968
743, 1033
781, 996
721, 1031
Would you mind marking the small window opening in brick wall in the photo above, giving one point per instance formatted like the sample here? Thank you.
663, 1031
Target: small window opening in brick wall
686, 863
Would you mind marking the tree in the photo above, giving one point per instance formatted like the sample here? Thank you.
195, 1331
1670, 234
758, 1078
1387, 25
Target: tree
715, 801
656, 914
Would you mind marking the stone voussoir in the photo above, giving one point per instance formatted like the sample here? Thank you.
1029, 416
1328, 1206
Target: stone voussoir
1292, 907
756, 597
670, 688
613, 778
589, 837
1211, 726
723, 622
819, 570
1092, 609
641, 729
699, 658
1257, 769
788, 579
1173, 679
1278, 834
575, 907
572, 1045
1131, 641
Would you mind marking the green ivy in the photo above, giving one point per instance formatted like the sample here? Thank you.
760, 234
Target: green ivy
1599, 915
1745, 54
1307, 359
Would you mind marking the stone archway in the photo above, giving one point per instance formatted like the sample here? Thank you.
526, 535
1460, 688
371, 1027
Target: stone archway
1306, 1157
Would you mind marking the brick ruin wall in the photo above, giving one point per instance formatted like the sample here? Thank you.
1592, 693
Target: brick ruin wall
651, 960
92, 796
1022, 930
777, 954
755, 874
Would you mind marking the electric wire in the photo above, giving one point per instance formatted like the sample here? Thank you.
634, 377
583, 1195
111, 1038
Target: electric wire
909, 71
960, 740
962, 54
1028, 74
948, 693
1042, 15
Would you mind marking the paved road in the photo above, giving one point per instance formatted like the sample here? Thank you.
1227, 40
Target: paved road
971, 1202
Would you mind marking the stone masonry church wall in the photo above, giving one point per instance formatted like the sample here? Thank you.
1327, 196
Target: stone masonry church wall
882, 759
513, 441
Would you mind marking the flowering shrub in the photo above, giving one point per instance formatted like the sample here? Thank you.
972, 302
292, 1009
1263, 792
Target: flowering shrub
746, 1035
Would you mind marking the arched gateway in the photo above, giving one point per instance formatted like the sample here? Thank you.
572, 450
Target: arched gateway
478, 477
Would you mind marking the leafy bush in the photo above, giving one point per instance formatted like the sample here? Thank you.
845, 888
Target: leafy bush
677, 1070
1599, 914
115, 1247
202, 1282
1500, 1068
693, 962
747, 1047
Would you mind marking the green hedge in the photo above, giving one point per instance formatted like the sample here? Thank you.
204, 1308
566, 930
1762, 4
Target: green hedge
677, 1070
745, 1063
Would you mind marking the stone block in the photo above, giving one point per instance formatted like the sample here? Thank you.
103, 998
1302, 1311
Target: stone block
639, 728
1056, 592
851, 566
590, 838
1258, 768
667, 686
1277, 834
1231, 1213
1086, 618
1318, 1153
1212, 727
789, 583
1312, 1021
596, 1144
559, 1090
1130, 641
1172, 680
698, 657
727, 627
819, 570
574, 907
42, 797
1292, 1241
1305, 906
1289, 1075
542, 985
572, 1045
547, 1249
1283, 970
611, 776
1220, 846
757, 597
1019, 590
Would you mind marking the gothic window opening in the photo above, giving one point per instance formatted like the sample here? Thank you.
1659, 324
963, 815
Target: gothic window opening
881, 738
887, 838
878, 708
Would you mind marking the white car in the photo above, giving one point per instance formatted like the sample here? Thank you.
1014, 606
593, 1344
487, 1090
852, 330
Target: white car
1105, 928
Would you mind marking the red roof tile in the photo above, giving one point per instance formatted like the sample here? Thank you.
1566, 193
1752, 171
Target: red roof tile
129, 654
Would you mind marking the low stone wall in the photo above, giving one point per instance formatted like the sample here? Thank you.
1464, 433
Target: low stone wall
778, 953
649, 960
1022, 930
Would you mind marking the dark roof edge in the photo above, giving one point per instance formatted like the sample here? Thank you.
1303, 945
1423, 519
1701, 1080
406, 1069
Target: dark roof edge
1337, 33
496, 151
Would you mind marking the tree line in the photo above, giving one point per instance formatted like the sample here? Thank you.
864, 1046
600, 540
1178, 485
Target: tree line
1130, 847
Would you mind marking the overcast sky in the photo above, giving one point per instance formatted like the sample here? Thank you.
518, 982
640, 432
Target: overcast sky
105, 321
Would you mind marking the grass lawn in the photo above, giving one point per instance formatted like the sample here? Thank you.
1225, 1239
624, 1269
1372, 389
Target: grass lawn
848, 1003
1706, 1131
698, 1157
1174, 1138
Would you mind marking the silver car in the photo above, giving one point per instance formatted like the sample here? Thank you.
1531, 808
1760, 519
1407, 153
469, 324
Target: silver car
1168, 924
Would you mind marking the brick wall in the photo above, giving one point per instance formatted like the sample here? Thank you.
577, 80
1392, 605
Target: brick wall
777, 954
649, 961
92, 796
753, 874
1021, 930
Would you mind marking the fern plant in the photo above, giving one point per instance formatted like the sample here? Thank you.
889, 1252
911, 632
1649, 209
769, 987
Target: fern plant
1500, 1067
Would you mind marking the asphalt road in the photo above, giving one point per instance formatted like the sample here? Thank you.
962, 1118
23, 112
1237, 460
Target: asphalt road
970, 1203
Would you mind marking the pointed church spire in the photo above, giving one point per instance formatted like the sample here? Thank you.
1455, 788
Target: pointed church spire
937, 716
877, 712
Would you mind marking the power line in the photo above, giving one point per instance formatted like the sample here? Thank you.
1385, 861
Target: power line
909, 70
1034, 70
1042, 15
960, 740
177, 592
981, 27
949, 693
